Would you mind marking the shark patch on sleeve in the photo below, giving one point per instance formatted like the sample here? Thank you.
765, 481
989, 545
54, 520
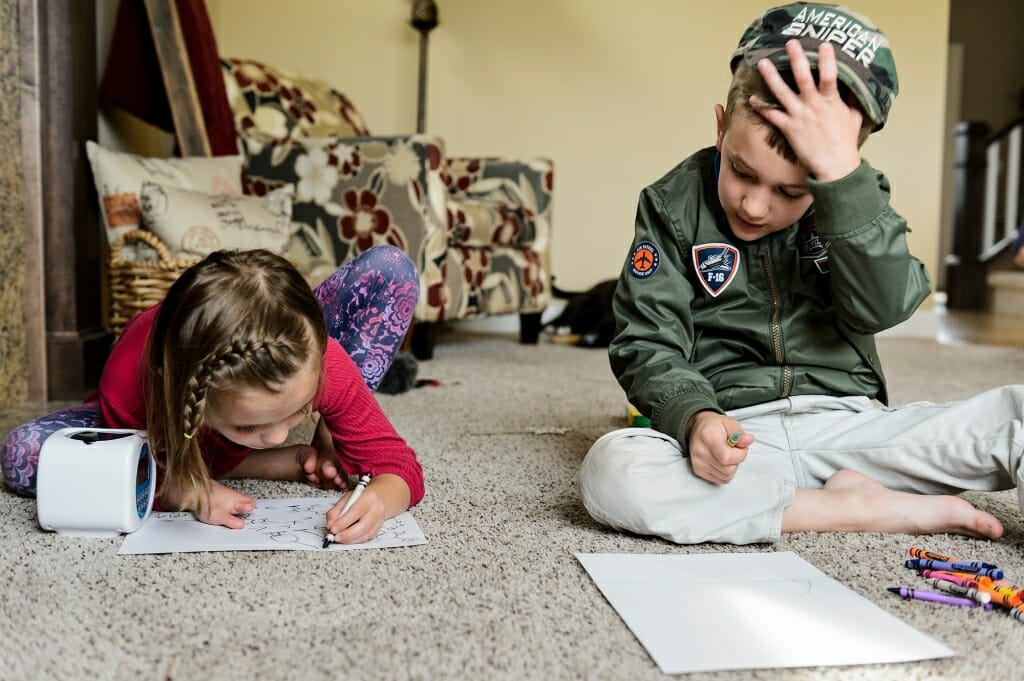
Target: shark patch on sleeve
716, 266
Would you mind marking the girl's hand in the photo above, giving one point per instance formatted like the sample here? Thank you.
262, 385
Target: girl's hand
359, 524
319, 462
386, 496
712, 456
821, 128
225, 504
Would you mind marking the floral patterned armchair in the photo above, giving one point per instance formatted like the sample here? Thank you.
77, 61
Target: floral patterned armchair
478, 229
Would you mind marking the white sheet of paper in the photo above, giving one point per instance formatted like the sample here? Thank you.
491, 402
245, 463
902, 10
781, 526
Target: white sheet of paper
275, 525
707, 612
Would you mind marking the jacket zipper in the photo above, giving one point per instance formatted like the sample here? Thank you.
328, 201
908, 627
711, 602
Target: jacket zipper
787, 372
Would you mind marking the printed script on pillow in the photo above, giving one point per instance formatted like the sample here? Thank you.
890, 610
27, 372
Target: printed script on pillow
194, 224
119, 176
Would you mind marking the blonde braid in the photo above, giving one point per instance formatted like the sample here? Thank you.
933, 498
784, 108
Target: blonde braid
187, 476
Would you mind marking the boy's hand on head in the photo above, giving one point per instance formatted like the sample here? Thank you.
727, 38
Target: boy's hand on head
712, 456
225, 505
821, 128
362, 522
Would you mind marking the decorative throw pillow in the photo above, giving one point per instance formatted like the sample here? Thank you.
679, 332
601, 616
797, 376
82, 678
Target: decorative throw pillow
194, 224
274, 103
119, 177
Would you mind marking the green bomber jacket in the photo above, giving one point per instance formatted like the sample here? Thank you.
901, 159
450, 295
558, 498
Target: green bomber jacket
705, 321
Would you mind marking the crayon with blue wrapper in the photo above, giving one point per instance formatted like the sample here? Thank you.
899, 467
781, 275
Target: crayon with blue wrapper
973, 567
916, 552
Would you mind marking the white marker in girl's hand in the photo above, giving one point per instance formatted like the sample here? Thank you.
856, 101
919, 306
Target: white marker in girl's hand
363, 482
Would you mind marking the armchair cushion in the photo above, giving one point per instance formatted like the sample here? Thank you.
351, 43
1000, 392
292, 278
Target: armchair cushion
495, 202
353, 193
489, 281
275, 103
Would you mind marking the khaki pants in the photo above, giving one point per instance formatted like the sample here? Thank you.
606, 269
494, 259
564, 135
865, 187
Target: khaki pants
637, 479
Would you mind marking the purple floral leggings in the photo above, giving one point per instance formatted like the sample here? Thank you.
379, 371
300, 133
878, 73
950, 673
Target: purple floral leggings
368, 304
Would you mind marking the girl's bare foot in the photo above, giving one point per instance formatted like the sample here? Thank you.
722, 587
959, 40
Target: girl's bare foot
852, 502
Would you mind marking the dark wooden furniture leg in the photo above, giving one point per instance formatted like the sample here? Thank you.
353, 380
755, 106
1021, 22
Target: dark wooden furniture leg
424, 334
529, 327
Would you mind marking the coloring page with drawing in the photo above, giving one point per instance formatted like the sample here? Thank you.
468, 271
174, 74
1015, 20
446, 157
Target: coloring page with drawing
274, 525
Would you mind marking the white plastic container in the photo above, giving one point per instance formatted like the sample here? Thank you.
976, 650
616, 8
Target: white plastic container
95, 482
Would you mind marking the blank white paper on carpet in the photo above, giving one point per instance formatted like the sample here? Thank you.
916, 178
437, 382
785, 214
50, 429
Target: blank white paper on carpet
274, 525
707, 612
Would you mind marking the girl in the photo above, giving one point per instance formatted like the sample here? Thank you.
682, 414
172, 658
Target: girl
238, 354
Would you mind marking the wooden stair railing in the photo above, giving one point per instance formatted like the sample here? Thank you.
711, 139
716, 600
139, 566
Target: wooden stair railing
987, 187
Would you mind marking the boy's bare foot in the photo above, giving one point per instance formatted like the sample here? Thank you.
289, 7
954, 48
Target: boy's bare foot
852, 502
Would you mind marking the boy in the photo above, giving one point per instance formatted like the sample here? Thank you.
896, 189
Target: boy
760, 271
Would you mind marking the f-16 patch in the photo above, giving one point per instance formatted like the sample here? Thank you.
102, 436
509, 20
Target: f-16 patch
716, 265
645, 260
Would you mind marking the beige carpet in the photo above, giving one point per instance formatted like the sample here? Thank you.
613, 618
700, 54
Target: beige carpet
497, 592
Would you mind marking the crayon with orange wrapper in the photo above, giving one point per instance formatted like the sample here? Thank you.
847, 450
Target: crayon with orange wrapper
1002, 583
1007, 599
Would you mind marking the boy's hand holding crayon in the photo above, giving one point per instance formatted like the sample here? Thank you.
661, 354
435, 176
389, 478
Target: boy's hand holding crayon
717, 445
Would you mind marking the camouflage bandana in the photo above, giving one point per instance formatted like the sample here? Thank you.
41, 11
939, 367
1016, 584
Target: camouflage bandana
863, 56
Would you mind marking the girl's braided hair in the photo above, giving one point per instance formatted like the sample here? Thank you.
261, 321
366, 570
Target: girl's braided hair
235, 319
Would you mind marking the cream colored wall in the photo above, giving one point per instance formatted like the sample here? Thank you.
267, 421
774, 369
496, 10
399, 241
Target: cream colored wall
616, 93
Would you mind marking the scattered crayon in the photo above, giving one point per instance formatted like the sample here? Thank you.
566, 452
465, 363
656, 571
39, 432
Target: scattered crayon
932, 596
980, 579
972, 567
966, 591
963, 583
635, 419
1007, 585
1007, 599
1004, 590
921, 553
950, 577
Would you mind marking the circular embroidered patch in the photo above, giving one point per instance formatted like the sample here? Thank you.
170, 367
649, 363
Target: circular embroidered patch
644, 261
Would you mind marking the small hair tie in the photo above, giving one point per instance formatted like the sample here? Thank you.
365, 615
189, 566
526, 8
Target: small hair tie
188, 436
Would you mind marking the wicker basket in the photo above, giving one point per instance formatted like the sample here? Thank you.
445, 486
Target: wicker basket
138, 284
